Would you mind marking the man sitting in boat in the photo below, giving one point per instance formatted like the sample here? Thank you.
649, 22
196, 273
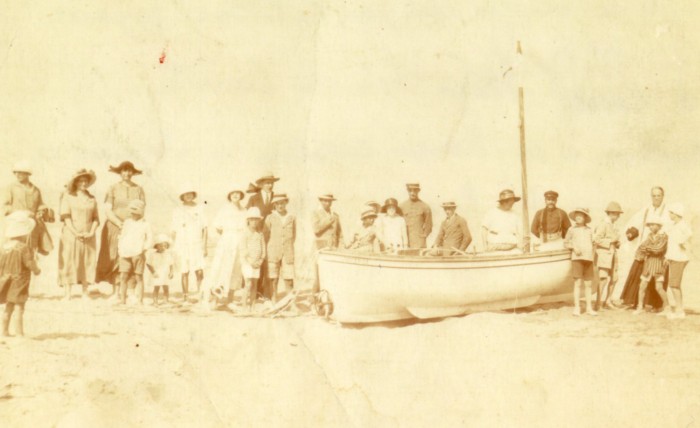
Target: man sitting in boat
365, 241
453, 237
550, 224
502, 227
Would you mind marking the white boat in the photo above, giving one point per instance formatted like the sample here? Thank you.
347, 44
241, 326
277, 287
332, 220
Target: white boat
374, 288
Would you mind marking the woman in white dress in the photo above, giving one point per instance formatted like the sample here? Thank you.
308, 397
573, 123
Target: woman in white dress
394, 234
225, 273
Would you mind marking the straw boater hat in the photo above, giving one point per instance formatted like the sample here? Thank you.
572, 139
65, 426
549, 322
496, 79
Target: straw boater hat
252, 188
449, 204
90, 174
415, 186
161, 238
367, 214
125, 165
268, 176
391, 202
506, 195
654, 219
373, 204
613, 207
551, 194
19, 223
677, 209
584, 211
22, 166
327, 197
137, 206
253, 212
279, 197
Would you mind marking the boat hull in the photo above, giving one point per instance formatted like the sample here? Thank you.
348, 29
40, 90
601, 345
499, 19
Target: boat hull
368, 288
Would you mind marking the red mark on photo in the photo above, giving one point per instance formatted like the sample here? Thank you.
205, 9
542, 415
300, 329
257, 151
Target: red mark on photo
162, 57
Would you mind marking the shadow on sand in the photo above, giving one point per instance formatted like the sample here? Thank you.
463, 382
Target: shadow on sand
70, 336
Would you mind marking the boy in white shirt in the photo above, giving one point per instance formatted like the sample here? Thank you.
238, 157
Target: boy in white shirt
134, 239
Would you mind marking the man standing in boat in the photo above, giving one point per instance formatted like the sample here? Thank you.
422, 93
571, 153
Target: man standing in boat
454, 233
502, 227
418, 216
326, 225
550, 223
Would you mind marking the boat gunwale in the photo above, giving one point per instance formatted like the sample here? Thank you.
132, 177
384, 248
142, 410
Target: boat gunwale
444, 259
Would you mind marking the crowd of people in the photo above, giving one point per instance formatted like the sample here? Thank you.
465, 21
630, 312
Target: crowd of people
255, 246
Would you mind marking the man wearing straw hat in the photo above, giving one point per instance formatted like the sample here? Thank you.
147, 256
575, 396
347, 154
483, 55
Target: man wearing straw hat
23, 195
418, 216
550, 223
262, 200
454, 233
502, 227
326, 226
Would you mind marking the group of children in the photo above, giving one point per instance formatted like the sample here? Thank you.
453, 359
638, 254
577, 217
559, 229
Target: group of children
658, 251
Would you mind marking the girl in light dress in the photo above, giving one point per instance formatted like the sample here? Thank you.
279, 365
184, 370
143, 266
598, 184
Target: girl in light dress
189, 234
394, 235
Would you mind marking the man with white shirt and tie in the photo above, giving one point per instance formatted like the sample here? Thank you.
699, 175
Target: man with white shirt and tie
263, 199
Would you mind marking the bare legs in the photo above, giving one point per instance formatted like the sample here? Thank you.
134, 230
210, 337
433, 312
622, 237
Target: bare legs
7, 315
577, 297
199, 274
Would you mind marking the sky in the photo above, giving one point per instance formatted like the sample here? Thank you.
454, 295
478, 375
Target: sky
356, 99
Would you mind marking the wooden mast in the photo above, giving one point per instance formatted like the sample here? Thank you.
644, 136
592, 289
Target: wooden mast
523, 161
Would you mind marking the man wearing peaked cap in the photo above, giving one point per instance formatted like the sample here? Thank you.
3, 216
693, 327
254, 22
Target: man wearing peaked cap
550, 223
454, 232
418, 216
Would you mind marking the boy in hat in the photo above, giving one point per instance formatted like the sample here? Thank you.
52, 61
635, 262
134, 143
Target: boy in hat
365, 241
551, 223
16, 266
418, 217
280, 234
189, 231
606, 239
502, 227
135, 238
454, 232
251, 251
160, 263
579, 239
653, 248
677, 256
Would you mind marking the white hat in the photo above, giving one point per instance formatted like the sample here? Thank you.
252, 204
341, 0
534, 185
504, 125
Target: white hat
161, 238
677, 208
253, 212
19, 223
22, 166
654, 219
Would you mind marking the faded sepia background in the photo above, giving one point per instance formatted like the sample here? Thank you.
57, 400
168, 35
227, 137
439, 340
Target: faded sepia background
357, 98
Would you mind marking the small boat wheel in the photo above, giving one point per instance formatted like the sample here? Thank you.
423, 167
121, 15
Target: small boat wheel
323, 306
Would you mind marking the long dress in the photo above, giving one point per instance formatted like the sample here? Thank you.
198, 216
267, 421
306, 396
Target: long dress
188, 223
118, 197
77, 260
225, 270
630, 293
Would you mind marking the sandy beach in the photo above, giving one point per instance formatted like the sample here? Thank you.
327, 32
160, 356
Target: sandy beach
85, 364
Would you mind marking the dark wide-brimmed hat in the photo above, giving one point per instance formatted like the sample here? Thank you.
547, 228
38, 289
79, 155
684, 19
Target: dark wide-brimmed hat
88, 173
506, 195
125, 165
268, 176
391, 202
551, 194
584, 211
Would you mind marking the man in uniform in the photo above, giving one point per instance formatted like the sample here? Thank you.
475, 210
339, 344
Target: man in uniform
454, 232
419, 218
550, 223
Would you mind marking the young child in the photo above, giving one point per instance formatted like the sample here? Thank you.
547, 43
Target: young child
607, 242
189, 232
394, 231
677, 256
134, 239
160, 263
365, 241
251, 251
280, 233
16, 266
579, 239
653, 248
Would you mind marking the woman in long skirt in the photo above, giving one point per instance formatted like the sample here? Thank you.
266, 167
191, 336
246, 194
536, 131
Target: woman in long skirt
117, 198
631, 290
77, 259
225, 273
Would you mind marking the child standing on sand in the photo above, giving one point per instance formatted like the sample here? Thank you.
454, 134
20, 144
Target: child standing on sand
251, 251
160, 263
607, 242
189, 229
16, 266
134, 239
579, 239
653, 248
